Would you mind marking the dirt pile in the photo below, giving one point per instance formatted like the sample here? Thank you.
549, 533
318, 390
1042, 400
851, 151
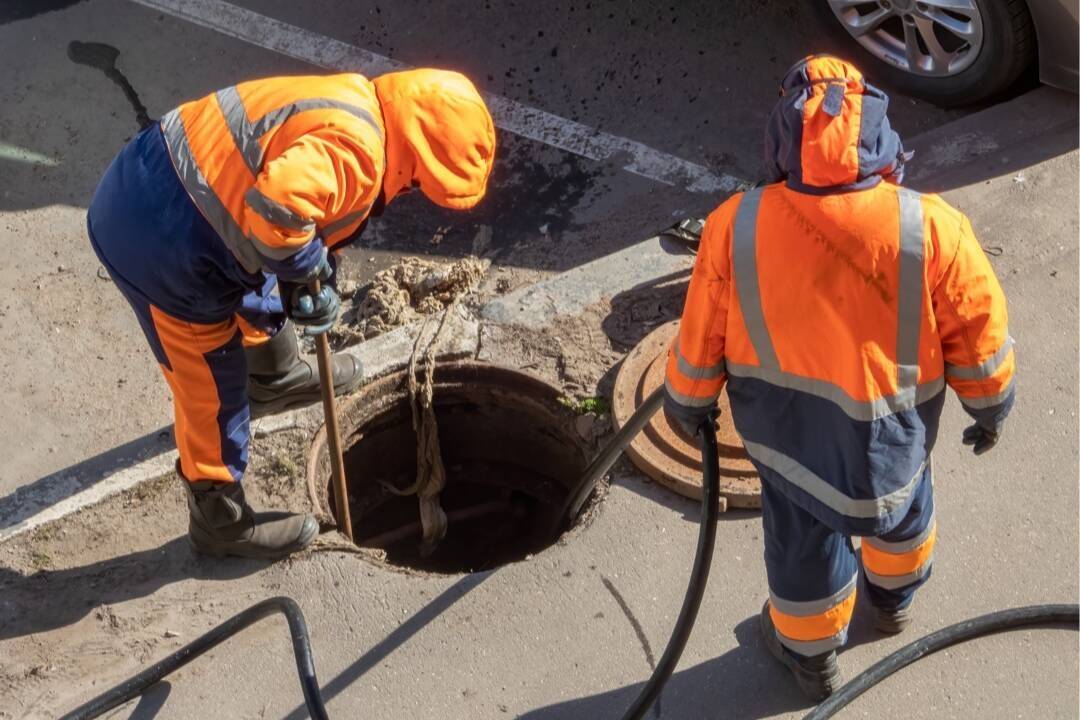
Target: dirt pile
404, 292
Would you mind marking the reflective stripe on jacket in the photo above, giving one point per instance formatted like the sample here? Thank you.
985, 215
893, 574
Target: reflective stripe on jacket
837, 320
272, 162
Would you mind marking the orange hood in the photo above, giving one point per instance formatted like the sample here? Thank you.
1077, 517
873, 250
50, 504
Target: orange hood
439, 136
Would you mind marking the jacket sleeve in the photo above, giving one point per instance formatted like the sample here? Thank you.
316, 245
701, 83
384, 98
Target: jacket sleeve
973, 324
321, 176
695, 367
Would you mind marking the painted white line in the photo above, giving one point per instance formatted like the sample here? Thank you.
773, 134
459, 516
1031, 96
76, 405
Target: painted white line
117, 482
23, 155
512, 116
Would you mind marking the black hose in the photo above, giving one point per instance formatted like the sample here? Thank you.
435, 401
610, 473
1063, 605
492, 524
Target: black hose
610, 453
699, 575
137, 685
958, 633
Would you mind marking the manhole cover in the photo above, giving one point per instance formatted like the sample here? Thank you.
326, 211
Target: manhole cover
663, 452
511, 454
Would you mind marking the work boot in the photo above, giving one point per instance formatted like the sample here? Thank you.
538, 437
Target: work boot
222, 523
892, 620
279, 378
818, 675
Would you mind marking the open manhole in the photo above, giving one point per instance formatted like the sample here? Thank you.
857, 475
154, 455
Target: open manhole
511, 455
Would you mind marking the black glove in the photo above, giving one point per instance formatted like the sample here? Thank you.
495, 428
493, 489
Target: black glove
315, 313
692, 427
981, 438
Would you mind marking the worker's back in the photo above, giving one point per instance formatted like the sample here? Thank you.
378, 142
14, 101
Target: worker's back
273, 163
838, 304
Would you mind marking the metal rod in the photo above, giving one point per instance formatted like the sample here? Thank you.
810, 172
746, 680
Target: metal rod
333, 431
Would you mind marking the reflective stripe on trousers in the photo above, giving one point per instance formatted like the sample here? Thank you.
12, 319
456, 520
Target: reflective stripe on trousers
815, 626
892, 565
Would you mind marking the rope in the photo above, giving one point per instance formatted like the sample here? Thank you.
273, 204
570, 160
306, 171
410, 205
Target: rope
430, 471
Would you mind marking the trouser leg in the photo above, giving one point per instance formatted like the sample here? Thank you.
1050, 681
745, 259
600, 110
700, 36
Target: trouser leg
205, 368
898, 562
812, 575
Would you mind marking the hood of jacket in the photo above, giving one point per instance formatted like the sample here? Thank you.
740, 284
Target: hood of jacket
829, 131
439, 136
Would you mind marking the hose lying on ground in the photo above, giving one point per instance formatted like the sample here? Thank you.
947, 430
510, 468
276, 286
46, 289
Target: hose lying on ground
958, 633
137, 685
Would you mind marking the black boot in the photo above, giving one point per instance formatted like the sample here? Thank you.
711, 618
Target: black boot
892, 620
279, 378
222, 523
818, 675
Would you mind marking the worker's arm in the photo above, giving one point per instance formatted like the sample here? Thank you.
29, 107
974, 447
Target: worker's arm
695, 368
321, 176
973, 323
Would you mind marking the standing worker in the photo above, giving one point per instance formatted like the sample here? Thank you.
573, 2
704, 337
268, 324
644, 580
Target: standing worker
837, 305
202, 214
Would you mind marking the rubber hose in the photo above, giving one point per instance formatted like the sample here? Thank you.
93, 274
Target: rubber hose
958, 633
137, 685
610, 453
699, 576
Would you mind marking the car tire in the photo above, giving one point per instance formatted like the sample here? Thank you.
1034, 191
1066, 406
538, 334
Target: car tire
1008, 50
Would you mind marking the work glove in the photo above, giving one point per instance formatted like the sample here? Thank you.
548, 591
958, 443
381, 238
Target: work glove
315, 313
692, 427
982, 438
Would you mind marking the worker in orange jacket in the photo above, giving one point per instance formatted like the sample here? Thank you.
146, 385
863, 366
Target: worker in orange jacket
837, 305
202, 214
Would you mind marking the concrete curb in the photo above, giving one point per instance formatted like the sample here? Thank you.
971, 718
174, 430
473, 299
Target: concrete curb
154, 455
569, 293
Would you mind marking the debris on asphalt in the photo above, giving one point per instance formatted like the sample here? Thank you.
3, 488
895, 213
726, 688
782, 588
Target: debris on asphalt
404, 292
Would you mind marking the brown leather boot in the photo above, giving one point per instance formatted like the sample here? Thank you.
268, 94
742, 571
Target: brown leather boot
818, 675
222, 523
279, 378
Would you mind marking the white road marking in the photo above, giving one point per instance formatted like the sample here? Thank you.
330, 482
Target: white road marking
23, 155
512, 116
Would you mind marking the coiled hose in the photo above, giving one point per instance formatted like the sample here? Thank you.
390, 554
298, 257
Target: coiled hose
695, 590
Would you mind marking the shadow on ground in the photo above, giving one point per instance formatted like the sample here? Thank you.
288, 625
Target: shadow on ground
51, 599
394, 640
744, 682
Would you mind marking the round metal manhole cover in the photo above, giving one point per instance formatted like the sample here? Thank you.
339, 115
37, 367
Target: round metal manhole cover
664, 452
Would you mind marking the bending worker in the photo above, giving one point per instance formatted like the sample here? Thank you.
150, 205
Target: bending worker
202, 214
837, 305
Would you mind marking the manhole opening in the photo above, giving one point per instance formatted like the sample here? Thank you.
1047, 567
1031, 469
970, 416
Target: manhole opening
511, 455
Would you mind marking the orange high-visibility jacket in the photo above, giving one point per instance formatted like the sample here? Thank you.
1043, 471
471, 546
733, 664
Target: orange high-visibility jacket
274, 164
837, 305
